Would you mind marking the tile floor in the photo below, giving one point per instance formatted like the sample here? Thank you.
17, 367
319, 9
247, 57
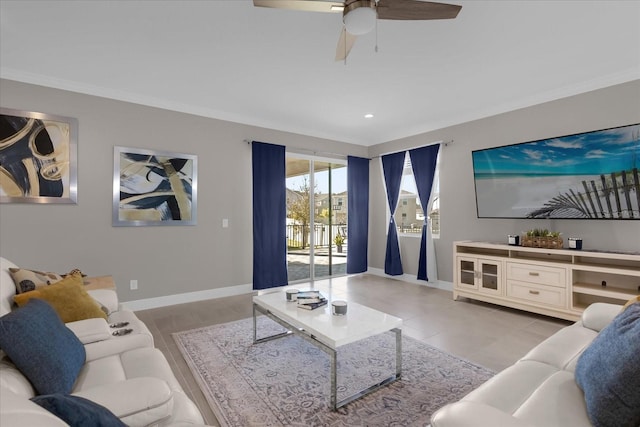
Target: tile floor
485, 334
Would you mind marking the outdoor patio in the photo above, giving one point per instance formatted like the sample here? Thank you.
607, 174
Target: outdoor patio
299, 268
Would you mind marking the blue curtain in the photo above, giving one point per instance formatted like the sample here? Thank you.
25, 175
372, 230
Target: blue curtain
392, 165
358, 214
423, 162
269, 216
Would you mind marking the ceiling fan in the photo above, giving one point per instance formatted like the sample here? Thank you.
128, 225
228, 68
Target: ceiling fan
359, 16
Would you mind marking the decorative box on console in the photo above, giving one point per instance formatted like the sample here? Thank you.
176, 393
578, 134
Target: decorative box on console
513, 240
575, 243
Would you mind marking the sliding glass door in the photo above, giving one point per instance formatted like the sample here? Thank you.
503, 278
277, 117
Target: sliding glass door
316, 217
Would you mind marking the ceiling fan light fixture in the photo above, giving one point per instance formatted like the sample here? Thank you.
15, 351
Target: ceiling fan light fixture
360, 17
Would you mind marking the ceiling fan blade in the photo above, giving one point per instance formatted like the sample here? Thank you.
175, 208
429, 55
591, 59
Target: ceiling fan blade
416, 10
304, 5
345, 43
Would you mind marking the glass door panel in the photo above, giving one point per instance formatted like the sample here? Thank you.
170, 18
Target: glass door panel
339, 212
298, 219
316, 218
489, 276
330, 212
466, 272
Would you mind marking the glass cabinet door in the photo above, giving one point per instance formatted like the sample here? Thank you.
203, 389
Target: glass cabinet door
466, 273
489, 276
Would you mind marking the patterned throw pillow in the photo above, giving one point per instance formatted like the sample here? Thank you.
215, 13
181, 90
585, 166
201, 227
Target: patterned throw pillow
68, 298
29, 280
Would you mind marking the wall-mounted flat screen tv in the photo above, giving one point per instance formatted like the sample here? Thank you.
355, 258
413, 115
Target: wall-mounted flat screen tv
591, 175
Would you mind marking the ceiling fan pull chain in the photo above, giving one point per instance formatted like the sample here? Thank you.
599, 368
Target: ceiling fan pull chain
345, 45
376, 48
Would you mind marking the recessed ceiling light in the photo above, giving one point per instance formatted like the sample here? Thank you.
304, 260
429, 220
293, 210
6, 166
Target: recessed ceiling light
337, 7
368, 116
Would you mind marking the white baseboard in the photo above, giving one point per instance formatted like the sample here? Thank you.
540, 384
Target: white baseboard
148, 303
438, 284
145, 304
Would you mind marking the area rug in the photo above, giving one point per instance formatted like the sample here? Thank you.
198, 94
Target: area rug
285, 382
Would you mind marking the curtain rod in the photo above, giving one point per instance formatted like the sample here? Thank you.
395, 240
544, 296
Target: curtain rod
445, 143
308, 150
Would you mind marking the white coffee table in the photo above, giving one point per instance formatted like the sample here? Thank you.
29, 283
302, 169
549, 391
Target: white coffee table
330, 332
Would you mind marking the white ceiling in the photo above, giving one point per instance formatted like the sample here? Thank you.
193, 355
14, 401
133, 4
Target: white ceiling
276, 69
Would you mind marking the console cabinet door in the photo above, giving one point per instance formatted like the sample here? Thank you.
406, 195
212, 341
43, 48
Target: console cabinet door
489, 276
466, 273
478, 274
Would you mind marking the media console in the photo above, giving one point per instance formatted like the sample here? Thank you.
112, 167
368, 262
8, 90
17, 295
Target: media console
554, 282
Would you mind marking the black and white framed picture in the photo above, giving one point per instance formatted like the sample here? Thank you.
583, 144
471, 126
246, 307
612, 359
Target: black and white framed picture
152, 187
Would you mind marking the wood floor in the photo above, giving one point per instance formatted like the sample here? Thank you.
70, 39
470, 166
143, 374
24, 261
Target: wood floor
485, 334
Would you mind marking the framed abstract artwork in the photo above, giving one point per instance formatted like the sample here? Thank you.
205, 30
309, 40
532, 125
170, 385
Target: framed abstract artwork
38, 157
152, 187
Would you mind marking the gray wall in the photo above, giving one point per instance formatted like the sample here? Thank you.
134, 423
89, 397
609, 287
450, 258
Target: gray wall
614, 106
164, 260
173, 260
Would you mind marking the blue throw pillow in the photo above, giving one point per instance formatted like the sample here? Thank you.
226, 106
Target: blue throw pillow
78, 411
42, 347
608, 372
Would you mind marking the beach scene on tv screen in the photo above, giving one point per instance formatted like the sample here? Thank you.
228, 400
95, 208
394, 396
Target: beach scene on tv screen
591, 175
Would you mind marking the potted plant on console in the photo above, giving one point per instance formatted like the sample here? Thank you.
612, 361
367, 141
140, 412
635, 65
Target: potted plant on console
542, 238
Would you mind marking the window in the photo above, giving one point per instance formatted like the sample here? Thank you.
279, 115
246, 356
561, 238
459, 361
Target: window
434, 209
409, 215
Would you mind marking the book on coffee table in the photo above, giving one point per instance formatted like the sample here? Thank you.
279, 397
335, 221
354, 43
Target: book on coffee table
308, 294
309, 300
312, 305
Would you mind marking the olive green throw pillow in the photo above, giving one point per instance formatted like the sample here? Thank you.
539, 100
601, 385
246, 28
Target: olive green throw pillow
68, 298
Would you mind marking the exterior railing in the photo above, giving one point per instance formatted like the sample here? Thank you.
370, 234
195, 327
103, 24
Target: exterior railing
298, 235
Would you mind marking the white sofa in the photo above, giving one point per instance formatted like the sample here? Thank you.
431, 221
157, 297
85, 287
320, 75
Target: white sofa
539, 390
125, 374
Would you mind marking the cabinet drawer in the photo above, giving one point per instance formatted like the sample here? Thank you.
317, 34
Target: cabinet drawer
546, 295
550, 276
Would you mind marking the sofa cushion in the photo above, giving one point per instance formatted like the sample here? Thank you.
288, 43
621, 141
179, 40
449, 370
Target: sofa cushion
78, 411
598, 315
68, 298
13, 380
511, 388
41, 347
608, 372
562, 349
556, 402
29, 280
90, 330
140, 401
18, 412
139, 337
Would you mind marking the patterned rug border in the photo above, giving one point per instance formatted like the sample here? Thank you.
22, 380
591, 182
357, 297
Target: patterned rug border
219, 412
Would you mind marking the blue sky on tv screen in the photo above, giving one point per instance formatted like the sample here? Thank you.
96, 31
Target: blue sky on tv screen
592, 153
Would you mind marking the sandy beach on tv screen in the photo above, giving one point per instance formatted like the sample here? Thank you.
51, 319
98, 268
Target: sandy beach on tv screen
518, 196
